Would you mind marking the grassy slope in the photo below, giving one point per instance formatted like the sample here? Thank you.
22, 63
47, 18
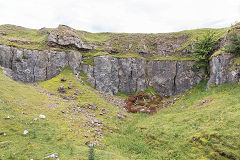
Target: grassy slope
58, 132
195, 131
23, 37
208, 131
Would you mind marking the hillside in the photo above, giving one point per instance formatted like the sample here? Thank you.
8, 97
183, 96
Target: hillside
68, 123
201, 125
63, 89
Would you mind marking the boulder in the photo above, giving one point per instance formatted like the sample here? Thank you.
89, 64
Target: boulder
66, 37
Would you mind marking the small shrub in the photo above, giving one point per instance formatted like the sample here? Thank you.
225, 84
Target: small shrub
234, 46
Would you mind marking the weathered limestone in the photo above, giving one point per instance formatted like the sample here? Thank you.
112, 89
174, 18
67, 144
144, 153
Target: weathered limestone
128, 75
108, 74
66, 37
161, 76
33, 65
186, 76
220, 71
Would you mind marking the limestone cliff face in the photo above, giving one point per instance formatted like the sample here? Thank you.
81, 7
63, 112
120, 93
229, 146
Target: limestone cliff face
33, 65
128, 75
220, 71
108, 74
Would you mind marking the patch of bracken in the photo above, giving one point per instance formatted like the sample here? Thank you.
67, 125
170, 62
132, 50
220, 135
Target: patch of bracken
144, 103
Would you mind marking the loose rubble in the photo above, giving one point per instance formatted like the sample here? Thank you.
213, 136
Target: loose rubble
61, 89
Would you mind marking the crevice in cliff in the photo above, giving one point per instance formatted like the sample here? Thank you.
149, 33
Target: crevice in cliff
48, 60
175, 79
118, 68
68, 60
34, 77
12, 59
132, 68
137, 76
94, 77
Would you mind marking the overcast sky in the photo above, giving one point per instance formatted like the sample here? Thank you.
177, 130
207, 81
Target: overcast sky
144, 16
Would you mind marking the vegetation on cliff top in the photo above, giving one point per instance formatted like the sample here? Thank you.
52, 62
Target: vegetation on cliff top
123, 43
234, 45
202, 51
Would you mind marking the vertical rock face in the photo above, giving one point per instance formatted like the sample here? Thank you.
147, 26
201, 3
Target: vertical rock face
6, 59
161, 76
220, 71
186, 76
108, 74
132, 75
74, 61
32, 65
128, 75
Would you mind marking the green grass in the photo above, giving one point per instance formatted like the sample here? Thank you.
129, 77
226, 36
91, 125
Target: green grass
235, 63
88, 58
58, 132
198, 33
36, 40
23, 37
195, 131
218, 52
170, 58
189, 129
97, 37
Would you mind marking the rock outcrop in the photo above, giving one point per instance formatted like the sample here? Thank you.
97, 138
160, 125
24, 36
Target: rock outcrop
66, 37
128, 75
33, 65
108, 74
220, 71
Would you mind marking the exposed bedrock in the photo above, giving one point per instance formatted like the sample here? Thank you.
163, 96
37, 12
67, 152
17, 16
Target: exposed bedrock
108, 74
128, 75
33, 65
66, 37
222, 70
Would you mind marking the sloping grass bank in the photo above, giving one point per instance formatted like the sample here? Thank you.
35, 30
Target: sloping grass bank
201, 125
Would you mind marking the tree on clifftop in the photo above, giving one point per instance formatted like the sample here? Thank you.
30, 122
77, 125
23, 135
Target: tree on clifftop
202, 51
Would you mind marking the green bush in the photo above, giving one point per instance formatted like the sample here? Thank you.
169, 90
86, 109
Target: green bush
234, 46
202, 51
